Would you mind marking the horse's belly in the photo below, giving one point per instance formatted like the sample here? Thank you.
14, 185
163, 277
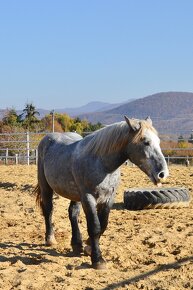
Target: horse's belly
70, 191
65, 187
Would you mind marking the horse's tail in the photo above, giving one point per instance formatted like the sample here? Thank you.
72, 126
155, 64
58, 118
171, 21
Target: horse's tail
37, 192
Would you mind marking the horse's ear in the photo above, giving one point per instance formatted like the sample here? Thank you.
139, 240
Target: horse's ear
133, 124
149, 120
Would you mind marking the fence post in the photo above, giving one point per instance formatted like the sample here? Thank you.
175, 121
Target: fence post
36, 156
27, 139
16, 159
168, 160
52, 114
6, 155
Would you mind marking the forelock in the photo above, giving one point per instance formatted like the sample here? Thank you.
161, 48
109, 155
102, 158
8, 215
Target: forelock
144, 126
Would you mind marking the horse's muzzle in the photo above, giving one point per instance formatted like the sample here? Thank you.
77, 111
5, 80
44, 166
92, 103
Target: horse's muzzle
161, 176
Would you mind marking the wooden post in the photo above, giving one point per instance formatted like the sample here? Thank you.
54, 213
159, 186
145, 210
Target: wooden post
16, 159
187, 162
36, 156
6, 155
27, 138
52, 114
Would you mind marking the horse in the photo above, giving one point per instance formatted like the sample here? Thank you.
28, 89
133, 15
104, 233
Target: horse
87, 172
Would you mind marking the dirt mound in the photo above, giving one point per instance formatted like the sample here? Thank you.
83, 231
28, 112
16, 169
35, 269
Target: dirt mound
148, 249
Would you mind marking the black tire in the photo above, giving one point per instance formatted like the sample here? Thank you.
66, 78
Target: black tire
138, 198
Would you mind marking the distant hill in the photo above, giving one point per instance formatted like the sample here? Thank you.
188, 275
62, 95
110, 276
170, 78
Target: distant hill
171, 112
88, 108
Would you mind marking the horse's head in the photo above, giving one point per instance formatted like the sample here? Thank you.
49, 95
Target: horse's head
144, 149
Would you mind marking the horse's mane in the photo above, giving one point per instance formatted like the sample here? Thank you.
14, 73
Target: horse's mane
114, 137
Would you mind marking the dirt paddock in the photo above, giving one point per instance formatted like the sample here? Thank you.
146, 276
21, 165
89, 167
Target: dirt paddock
148, 249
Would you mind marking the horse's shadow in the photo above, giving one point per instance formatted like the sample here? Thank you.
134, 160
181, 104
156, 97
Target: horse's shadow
31, 254
7, 185
27, 187
12, 185
142, 276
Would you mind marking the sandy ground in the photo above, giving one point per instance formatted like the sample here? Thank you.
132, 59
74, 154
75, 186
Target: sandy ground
148, 249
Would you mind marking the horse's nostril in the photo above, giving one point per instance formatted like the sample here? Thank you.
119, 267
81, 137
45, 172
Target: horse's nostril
161, 174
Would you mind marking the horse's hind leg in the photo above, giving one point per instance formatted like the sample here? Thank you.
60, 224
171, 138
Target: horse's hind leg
46, 203
76, 241
47, 209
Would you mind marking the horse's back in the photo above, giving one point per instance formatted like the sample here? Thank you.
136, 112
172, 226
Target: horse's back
57, 140
66, 137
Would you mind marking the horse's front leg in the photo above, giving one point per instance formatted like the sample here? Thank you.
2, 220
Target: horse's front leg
103, 214
103, 211
94, 230
76, 241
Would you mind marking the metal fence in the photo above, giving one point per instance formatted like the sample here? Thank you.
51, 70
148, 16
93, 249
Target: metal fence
21, 148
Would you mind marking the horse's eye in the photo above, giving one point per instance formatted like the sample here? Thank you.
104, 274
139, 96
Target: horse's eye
146, 143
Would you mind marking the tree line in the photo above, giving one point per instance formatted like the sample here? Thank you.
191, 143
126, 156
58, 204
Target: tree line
28, 121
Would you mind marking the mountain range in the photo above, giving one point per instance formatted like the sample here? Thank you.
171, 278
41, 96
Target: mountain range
171, 112
91, 107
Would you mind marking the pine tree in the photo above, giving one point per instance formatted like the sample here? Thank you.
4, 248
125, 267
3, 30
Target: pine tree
30, 118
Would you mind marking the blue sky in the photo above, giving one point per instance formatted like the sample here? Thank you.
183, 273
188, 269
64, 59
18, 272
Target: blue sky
59, 54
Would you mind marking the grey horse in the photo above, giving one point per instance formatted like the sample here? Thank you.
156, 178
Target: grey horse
86, 171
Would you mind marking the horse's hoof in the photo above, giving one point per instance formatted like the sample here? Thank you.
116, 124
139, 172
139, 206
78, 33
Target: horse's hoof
101, 265
51, 242
77, 249
87, 250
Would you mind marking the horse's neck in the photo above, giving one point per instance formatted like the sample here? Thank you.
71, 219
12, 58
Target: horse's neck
108, 146
112, 161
